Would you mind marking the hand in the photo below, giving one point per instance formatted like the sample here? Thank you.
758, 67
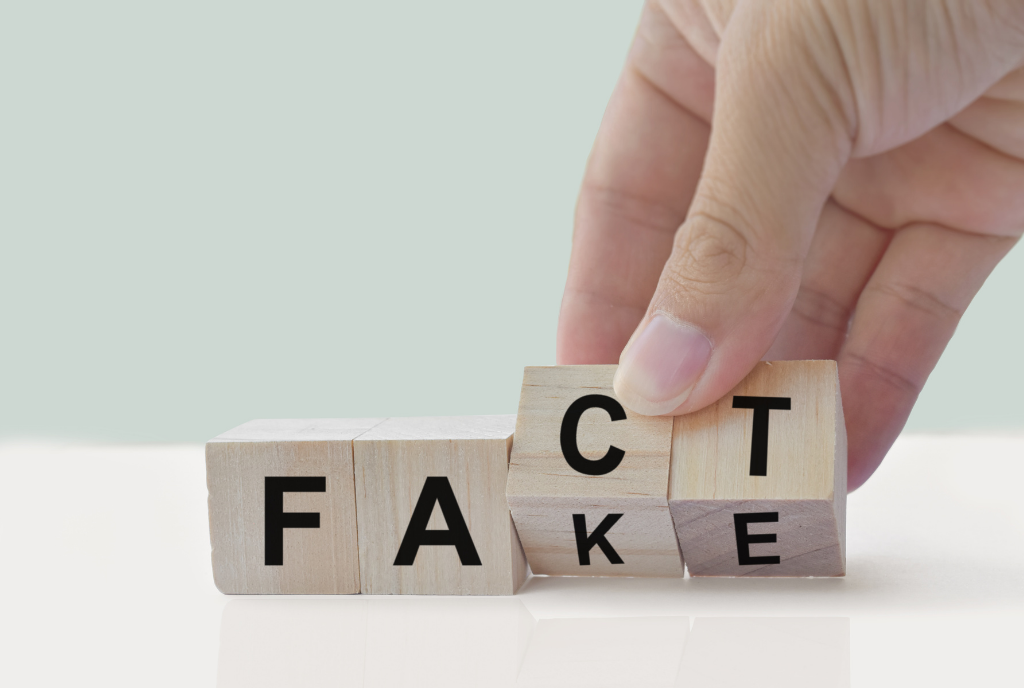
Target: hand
849, 174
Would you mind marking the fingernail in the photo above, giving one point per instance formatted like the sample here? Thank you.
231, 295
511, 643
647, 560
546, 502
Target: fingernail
658, 369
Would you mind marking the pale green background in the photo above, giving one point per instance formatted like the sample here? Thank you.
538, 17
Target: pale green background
213, 212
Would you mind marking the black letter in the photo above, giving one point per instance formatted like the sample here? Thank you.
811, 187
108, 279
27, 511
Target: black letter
584, 544
743, 538
437, 490
759, 443
571, 451
276, 520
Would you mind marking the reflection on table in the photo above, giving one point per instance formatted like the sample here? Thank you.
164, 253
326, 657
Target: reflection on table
415, 641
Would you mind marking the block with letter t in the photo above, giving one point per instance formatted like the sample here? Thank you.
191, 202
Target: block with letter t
283, 507
430, 497
758, 485
588, 481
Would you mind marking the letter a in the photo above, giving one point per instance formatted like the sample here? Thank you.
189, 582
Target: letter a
437, 490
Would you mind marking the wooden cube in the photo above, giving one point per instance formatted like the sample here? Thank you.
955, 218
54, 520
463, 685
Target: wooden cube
588, 481
282, 506
758, 482
430, 496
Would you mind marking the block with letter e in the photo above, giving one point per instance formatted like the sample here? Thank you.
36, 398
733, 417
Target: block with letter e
588, 481
758, 484
430, 497
282, 507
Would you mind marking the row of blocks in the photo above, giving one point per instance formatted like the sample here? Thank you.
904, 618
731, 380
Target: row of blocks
754, 485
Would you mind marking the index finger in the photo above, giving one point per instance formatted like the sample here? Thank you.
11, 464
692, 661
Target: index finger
636, 190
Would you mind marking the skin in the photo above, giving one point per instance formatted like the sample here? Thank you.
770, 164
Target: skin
798, 180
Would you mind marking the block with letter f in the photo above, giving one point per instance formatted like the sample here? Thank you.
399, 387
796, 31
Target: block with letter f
283, 506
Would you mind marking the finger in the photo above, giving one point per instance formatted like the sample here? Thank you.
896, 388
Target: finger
844, 252
797, 91
636, 190
903, 321
995, 119
944, 177
781, 133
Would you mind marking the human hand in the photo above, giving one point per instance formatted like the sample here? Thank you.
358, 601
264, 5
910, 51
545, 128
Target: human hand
849, 174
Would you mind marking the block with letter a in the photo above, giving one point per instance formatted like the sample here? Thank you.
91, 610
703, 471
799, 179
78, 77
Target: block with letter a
588, 479
758, 484
283, 507
430, 497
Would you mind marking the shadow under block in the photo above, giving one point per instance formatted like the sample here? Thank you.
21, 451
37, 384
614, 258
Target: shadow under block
430, 496
759, 489
579, 510
283, 508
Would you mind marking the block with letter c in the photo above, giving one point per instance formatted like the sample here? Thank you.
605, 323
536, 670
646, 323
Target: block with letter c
588, 479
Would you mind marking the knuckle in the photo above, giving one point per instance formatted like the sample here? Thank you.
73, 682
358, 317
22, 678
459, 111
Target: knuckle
710, 254
886, 373
920, 300
821, 309
625, 210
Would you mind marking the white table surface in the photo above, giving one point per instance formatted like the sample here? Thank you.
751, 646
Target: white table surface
106, 580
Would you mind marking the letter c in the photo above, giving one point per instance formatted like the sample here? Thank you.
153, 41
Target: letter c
570, 423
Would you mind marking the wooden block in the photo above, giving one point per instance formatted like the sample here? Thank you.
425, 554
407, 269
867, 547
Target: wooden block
758, 483
430, 495
588, 481
282, 506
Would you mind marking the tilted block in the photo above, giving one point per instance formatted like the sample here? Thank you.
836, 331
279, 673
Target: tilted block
758, 482
430, 496
282, 506
588, 481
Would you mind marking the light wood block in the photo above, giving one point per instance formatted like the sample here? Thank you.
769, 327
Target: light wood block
716, 481
430, 495
296, 535
561, 511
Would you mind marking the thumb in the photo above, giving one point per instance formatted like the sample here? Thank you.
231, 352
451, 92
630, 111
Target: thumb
782, 130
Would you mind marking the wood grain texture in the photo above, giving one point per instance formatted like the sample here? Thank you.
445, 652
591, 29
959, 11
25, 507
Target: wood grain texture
805, 481
544, 491
392, 463
320, 560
